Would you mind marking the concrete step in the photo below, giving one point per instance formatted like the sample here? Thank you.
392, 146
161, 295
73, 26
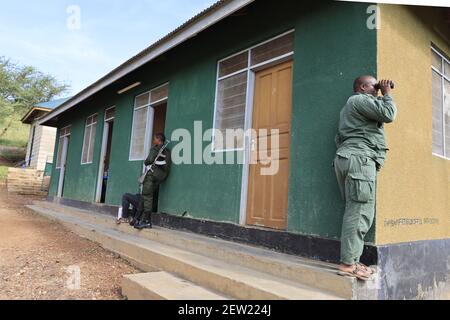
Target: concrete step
38, 193
26, 182
25, 176
164, 286
319, 275
228, 278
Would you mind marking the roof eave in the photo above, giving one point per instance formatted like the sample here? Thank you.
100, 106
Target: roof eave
26, 119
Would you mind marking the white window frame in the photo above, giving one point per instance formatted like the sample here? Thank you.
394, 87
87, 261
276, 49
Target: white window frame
149, 122
251, 69
90, 138
61, 136
106, 112
443, 79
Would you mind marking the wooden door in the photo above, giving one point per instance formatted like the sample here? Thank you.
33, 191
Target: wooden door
267, 202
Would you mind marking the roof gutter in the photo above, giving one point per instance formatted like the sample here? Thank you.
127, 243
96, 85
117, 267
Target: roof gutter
190, 29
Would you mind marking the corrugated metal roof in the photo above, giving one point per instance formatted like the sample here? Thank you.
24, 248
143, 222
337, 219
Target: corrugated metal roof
40, 108
52, 104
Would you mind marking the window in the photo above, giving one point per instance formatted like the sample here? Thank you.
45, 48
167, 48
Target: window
110, 114
64, 132
142, 121
89, 140
230, 109
233, 87
441, 104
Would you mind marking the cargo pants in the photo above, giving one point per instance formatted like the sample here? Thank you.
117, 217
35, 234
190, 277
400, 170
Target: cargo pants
356, 176
148, 192
151, 184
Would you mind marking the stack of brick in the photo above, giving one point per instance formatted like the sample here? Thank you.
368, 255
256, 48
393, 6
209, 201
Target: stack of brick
27, 182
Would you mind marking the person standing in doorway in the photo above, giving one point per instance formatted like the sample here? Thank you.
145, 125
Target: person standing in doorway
361, 153
159, 162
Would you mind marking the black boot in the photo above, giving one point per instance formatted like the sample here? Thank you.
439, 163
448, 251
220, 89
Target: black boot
137, 218
145, 223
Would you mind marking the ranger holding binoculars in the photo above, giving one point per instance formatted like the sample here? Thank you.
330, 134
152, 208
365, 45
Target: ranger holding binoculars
361, 153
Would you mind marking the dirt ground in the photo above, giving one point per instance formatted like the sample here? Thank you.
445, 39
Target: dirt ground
4, 162
40, 260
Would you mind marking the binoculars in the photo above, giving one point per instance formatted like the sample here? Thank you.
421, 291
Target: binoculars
378, 86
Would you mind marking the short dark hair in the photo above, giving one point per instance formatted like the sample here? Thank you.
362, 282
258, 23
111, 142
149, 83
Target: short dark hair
161, 137
359, 81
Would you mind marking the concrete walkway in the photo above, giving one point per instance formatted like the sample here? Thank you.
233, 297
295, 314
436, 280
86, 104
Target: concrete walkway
204, 268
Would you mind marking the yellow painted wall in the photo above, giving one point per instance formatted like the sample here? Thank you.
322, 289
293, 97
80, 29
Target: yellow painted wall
414, 184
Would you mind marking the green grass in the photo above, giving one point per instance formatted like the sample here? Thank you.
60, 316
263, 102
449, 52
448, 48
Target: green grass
14, 157
3, 173
13, 143
17, 134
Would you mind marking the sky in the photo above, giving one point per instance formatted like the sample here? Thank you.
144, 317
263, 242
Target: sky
79, 41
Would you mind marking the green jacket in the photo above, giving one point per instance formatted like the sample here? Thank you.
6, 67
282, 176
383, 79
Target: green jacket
361, 127
163, 164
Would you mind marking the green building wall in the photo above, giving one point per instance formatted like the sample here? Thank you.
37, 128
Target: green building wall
332, 46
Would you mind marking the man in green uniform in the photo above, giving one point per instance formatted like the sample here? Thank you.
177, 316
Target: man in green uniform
361, 153
158, 173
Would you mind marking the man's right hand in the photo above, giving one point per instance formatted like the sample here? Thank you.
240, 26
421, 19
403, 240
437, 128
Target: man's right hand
385, 87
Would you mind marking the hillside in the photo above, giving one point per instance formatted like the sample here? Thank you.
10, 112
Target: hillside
17, 134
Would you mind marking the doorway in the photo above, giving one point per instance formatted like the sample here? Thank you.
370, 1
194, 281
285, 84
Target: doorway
63, 148
159, 120
267, 196
104, 172
159, 126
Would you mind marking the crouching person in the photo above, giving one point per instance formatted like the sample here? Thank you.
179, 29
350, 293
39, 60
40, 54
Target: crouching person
158, 162
136, 203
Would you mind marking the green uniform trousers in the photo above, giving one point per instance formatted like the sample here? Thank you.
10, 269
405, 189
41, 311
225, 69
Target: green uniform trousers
151, 184
356, 176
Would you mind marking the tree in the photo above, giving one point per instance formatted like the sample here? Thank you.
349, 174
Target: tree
22, 87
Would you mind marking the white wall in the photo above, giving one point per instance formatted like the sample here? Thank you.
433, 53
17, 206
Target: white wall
43, 147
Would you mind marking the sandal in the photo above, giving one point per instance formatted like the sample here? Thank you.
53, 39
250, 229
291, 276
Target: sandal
358, 273
122, 220
367, 269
